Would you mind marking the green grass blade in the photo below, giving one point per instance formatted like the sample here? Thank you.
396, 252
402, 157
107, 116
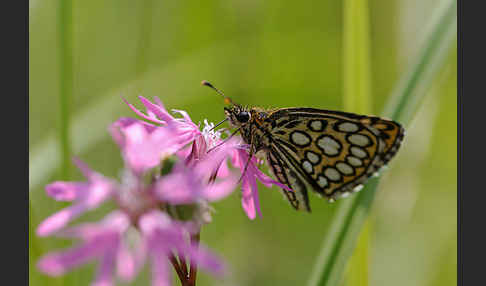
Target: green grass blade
356, 57
408, 92
357, 98
341, 238
66, 82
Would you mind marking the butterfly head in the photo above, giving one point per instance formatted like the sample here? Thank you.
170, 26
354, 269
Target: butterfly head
237, 115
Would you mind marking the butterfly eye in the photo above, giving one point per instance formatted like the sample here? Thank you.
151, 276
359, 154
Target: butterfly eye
243, 116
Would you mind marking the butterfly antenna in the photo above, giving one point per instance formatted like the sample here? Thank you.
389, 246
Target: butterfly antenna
227, 100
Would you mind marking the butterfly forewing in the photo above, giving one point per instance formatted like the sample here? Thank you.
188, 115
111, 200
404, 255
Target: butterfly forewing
332, 152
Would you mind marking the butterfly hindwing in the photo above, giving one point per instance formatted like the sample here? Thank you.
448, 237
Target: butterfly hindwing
333, 152
284, 173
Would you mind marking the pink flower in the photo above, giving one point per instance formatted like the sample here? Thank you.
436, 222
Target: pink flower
249, 189
84, 195
107, 242
141, 196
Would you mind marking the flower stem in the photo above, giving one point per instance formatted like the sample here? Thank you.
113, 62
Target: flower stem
192, 274
180, 273
183, 264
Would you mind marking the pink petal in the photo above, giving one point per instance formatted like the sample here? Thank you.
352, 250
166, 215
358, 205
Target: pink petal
184, 114
92, 197
254, 193
58, 263
116, 221
198, 151
141, 114
98, 193
157, 110
219, 190
184, 152
119, 128
60, 219
66, 191
143, 156
153, 220
247, 200
85, 231
160, 270
213, 160
206, 260
144, 149
104, 276
87, 172
126, 264
178, 188
223, 170
159, 102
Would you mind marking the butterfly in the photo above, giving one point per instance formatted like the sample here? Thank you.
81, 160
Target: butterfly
330, 152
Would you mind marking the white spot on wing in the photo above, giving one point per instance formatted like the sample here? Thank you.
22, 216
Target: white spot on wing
332, 174
359, 139
312, 157
354, 161
348, 127
316, 125
358, 152
299, 138
329, 145
322, 181
344, 168
307, 167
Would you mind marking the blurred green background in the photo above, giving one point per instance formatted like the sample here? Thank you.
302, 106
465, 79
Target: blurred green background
265, 53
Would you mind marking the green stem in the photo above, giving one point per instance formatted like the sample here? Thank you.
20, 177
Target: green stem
426, 64
357, 98
66, 82
356, 57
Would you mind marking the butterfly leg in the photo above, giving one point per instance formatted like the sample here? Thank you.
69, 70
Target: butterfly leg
225, 140
253, 147
250, 156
